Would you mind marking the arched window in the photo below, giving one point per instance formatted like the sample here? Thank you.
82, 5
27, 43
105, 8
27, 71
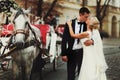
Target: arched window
113, 2
84, 2
114, 27
78, 1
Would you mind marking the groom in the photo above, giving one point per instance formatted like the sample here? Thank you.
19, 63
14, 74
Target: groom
72, 51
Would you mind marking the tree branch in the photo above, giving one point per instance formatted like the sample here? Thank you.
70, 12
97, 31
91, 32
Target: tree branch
39, 8
51, 8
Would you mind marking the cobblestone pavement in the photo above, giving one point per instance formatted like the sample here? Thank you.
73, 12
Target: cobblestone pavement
112, 55
113, 72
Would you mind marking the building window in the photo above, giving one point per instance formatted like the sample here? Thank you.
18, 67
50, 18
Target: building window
78, 0
70, 0
113, 2
84, 2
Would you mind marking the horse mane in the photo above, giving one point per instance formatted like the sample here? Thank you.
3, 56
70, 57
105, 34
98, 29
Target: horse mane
20, 11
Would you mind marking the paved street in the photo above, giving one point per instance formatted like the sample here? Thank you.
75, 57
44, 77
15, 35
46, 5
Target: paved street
112, 55
113, 72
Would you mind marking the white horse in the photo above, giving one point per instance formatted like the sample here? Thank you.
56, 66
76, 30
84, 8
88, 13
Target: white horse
26, 39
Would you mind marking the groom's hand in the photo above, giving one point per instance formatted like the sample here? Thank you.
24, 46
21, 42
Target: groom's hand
64, 58
88, 42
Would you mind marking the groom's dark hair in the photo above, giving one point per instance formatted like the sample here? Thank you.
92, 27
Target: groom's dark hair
84, 10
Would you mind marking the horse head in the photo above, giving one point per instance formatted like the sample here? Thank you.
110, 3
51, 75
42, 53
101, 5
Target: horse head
21, 29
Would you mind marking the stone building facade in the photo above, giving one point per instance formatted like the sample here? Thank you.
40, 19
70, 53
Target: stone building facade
70, 8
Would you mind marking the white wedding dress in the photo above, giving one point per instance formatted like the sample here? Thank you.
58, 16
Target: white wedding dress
93, 64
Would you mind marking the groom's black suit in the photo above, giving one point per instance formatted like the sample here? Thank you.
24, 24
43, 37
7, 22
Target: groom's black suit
74, 56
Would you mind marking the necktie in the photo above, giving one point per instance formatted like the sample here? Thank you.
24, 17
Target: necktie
80, 24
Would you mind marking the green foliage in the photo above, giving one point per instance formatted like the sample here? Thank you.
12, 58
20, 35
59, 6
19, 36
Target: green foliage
5, 6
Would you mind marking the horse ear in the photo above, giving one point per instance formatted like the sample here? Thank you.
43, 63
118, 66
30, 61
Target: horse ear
27, 11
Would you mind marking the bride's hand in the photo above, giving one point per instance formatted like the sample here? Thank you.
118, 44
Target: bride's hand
84, 35
69, 23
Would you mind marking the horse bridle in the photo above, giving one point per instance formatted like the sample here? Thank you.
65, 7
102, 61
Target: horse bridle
22, 31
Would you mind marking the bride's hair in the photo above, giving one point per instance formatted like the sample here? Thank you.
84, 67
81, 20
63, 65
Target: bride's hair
94, 23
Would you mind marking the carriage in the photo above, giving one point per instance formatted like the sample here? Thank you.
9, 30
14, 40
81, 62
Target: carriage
49, 42
45, 38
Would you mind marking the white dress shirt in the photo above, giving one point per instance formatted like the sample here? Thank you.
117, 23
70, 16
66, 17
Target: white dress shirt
77, 28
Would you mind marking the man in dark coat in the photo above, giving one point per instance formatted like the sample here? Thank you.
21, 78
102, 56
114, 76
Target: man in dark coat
72, 51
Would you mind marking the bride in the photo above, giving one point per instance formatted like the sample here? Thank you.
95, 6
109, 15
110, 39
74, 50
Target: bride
93, 64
